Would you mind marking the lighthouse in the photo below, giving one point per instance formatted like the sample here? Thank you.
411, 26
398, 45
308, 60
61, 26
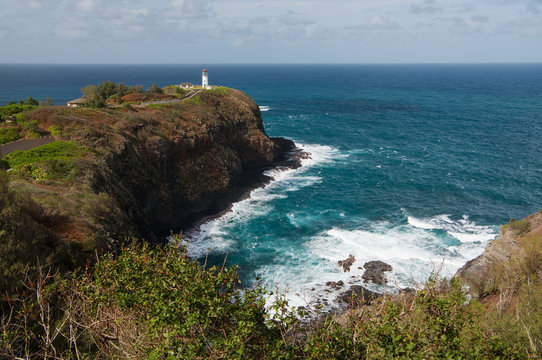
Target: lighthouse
204, 79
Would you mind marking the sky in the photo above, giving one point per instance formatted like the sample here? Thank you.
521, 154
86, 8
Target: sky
270, 31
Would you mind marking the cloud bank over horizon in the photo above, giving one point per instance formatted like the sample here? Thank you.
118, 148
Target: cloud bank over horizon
270, 31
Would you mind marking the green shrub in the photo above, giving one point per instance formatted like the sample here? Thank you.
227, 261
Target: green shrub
521, 227
179, 308
9, 134
52, 160
436, 323
55, 131
220, 91
195, 101
9, 110
31, 101
23, 240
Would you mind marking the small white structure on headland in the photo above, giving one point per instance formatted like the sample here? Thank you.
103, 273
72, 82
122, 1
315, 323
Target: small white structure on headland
77, 102
205, 79
187, 85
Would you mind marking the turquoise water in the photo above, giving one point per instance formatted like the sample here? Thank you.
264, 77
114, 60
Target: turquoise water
415, 165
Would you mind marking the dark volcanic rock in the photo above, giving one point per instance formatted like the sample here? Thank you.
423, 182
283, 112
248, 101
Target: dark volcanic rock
183, 164
374, 272
358, 295
408, 291
347, 263
335, 285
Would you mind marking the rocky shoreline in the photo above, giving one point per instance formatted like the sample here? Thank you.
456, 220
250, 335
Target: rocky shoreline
247, 182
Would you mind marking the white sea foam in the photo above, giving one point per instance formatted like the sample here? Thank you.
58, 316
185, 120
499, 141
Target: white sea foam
463, 229
213, 236
414, 251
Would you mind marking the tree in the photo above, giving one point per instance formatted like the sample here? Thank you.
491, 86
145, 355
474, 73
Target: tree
121, 90
93, 96
31, 101
154, 89
47, 102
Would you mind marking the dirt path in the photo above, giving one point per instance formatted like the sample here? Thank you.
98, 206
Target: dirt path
26, 144
170, 101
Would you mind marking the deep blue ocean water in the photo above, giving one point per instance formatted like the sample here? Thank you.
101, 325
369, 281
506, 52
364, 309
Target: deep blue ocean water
415, 165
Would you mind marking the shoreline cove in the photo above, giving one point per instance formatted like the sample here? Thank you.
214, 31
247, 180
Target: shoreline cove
330, 287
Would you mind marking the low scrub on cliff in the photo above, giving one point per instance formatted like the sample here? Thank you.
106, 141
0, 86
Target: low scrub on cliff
24, 240
9, 134
48, 161
155, 303
511, 290
435, 323
222, 90
7, 111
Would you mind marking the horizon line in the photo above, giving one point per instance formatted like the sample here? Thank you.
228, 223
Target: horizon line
277, 63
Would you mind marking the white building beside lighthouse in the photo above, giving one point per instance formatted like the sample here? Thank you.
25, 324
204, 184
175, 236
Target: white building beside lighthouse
205, 79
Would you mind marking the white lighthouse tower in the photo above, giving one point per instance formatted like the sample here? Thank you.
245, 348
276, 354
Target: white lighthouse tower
204, 79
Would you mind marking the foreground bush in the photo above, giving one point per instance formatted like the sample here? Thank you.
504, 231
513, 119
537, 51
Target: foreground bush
435, 323
146, 303
155, 303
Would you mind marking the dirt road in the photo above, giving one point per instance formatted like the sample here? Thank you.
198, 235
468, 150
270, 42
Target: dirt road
26, 144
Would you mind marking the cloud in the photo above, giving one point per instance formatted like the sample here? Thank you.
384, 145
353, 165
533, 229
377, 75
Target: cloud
193, 9
292, 18
427, 7
480, 19
35, 5
74, 29
533, 6
85, 5
530, 26
378, 22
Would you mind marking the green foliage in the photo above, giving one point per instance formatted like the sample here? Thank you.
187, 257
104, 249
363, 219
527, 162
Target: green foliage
436, 323
51, 160
522, 326
10, 110
9, 134
155, 89
220, 91
23, 240
31, 101
55, 131
159, 106
29, 125
47, 102
195, 101
184, 310
93, 96
520, 226
96, 96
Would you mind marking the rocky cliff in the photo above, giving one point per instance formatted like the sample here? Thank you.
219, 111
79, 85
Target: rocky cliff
161, 168
506, 256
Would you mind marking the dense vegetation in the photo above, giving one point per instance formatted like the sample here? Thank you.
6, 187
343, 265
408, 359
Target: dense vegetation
155, 303
44, 162
99, 96
25, 242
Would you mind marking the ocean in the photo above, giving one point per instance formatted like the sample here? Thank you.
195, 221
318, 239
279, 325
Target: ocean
414, 165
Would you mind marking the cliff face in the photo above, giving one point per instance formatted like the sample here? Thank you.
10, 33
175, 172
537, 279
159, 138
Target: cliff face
163, 167
517, 243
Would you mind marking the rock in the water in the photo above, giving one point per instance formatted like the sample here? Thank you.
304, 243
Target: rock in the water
374, 272
347, 263
335, 285
408, 291
358, 295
